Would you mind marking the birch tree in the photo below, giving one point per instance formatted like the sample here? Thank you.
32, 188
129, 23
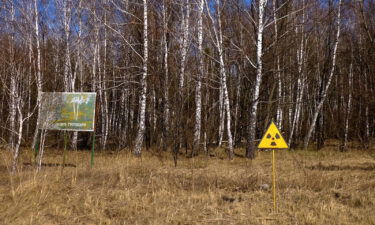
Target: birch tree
348, 105
301, 77
198, 88
103, 95
19, 96
69, 76
279, 113
250, 148
224, 96
38, 69
330, 76
166, 111
12, 94
143, 83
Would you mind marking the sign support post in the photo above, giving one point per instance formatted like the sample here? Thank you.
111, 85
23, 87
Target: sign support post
272, 140
274, 180
92, 149
36, 147
65, 146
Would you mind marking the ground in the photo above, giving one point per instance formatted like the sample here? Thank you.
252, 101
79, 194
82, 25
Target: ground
313, 187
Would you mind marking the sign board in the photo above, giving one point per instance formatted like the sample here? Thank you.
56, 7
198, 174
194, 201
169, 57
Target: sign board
273, 139
73, 111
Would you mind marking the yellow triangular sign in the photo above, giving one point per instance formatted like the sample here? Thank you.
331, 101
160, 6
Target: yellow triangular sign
272, 139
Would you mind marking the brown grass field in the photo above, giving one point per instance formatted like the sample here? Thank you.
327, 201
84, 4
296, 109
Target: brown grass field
313, 187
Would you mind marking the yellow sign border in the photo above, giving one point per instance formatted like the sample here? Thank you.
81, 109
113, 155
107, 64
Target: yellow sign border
273, 147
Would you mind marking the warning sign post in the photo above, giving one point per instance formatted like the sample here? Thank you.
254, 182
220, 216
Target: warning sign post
272, 139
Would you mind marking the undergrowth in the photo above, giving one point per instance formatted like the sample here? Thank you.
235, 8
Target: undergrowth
313, 187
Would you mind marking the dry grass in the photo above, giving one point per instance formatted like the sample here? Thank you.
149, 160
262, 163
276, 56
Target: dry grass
324, 187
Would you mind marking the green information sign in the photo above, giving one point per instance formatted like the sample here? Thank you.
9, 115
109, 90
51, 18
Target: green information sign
73, 111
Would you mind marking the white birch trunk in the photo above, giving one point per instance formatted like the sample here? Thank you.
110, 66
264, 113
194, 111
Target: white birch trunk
79, 59
154, 117
103, 92
166, 112
12, 108
19, 139
290, 99
237, 107
300, 80
100, 93
29, 82
223, 76
326, 88
279, 112
367, 121
250, 150
227, 107
12, 94
349, 106
221, 112
142, 100
198, 88
79, 66
38, 69
184, 49
69, 78
41, 148
224, 103
68, 81
184, 43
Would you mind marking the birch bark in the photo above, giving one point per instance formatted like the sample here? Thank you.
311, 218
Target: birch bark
12, 94
224, 83
349, 106
224, 96
198, 88
20, 120
331, 74
250, 148
142, 100
69, 78
38, 70
166, 79
68, 81
29, 92
185, 12
184, 43
79, 66
103, 91
279, 112
20, 127
301, 78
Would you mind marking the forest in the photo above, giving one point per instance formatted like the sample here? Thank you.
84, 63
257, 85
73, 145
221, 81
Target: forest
173, 75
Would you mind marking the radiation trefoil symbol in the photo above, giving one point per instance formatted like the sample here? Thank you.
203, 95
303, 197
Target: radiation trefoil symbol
273, 139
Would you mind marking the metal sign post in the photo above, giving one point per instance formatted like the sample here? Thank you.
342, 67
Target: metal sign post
274, 180
272, 139
92, 150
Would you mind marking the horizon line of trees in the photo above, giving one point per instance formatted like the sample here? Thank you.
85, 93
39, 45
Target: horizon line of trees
175, 74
